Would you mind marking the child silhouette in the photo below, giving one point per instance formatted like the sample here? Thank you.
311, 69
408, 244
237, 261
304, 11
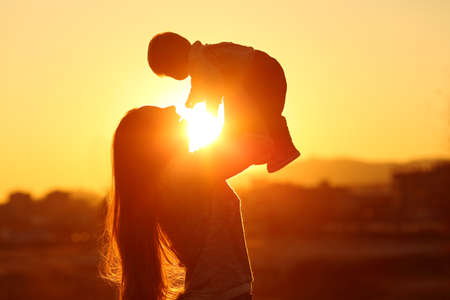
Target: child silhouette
252, 84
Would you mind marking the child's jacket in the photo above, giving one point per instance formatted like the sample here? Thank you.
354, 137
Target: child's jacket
217, 70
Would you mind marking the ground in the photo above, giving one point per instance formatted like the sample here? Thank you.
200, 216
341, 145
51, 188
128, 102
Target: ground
322, 268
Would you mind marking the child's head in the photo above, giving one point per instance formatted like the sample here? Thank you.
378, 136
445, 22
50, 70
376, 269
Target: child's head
168, 54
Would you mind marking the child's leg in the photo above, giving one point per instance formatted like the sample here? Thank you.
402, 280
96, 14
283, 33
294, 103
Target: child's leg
259, 101
266, 89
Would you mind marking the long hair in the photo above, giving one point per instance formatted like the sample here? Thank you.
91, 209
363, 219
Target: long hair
135, 245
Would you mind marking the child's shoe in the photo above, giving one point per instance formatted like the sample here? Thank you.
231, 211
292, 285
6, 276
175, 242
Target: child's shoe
282, 157
285, 151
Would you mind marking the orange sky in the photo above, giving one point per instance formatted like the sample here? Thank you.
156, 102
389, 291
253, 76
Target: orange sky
368, 79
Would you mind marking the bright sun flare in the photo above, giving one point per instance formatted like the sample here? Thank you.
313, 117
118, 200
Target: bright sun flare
202, 127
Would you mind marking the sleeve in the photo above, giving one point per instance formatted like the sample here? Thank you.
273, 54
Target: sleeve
206, 78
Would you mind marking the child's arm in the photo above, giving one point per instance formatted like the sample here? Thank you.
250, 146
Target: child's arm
206, 79
204, 91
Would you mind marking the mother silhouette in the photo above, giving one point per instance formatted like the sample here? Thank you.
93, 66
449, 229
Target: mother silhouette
170, 203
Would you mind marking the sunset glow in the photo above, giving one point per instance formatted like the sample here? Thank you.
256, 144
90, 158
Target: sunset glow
203, 128
368, 80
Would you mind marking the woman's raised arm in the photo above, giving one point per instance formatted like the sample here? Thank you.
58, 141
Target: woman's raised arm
223, 159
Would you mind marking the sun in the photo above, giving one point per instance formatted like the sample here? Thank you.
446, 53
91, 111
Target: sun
203, 128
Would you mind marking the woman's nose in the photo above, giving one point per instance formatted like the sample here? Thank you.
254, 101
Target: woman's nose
171, 109
171, 113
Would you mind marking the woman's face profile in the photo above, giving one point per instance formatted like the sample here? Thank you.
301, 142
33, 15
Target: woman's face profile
151, 135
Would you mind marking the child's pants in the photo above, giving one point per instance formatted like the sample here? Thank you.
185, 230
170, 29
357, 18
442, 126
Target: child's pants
257, 106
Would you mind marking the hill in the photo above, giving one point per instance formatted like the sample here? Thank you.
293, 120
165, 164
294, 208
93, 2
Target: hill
349, 172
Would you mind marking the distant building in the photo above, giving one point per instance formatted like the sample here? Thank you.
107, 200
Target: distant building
424, 195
